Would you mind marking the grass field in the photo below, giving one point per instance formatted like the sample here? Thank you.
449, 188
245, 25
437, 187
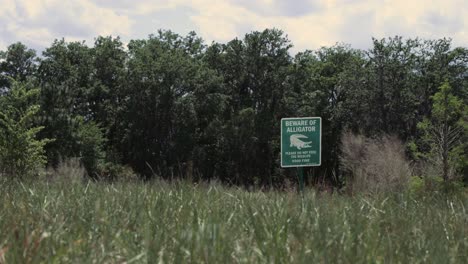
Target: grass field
183, 223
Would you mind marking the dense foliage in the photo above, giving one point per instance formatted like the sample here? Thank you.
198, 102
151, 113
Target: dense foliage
173, 106
21, 153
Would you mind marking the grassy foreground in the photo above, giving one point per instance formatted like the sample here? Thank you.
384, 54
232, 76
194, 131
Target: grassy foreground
180, 223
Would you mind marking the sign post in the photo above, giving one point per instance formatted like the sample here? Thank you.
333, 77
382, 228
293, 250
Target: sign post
301, 144
300, 174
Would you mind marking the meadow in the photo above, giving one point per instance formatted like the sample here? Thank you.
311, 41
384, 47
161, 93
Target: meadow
162, 222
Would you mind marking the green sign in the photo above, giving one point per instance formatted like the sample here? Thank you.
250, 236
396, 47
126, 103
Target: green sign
301, 141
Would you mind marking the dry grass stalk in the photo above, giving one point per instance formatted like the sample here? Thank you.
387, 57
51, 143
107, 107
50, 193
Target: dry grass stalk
375, 165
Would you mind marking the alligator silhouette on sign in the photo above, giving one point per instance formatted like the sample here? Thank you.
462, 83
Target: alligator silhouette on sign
298, 143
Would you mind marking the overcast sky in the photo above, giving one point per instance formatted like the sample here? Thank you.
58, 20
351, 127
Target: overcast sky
309, 24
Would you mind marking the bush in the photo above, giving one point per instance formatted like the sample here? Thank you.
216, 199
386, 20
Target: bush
374, 165
90, 140
110, 171
73, 170
68, 171
416, 185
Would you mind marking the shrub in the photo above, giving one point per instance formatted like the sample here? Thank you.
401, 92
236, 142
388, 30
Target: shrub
110, 171
416, 185
69, 171
90, 140
374, 165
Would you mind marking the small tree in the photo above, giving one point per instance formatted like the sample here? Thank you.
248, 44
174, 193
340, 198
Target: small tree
21, 153
90, 141
445, 130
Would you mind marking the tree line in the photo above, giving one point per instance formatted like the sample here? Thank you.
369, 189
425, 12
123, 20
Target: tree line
174, 106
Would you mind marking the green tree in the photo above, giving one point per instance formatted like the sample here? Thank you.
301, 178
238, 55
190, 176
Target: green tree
446, 129
392, 87
106, 78
436, 62
65, 77
323, 85
159, 117
21, 153
106, 93
16, 63
90, 142
255, 73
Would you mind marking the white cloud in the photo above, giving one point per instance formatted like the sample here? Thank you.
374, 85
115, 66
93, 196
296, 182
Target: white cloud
349, 21
224, 21
309, 24
8, 8
220, 20
39, 22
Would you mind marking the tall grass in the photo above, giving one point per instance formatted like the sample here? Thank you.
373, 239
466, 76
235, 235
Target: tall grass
164, 222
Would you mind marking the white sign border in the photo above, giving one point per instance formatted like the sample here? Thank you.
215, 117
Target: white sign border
281, 142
